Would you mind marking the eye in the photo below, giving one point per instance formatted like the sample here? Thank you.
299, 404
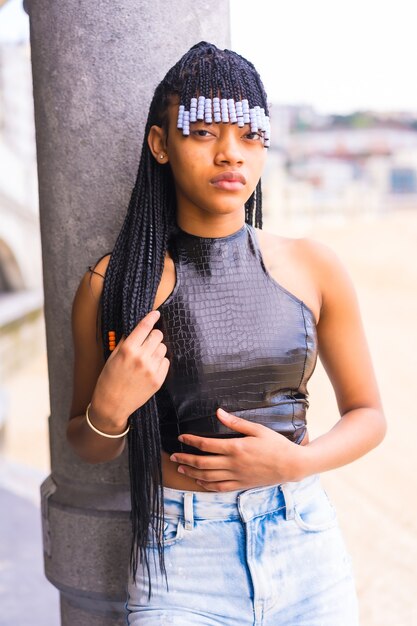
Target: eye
201, 132
254, 136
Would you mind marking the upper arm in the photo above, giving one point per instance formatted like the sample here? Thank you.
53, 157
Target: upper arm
343, 347
88, 350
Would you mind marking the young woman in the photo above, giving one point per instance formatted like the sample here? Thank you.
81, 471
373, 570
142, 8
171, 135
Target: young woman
210, 329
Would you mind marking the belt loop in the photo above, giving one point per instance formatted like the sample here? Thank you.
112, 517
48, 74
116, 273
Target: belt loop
188, 510
289, 501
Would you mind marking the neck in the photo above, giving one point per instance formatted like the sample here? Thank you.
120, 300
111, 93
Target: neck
211, 225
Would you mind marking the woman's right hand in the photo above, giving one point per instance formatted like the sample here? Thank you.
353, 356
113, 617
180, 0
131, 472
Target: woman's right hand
134, 371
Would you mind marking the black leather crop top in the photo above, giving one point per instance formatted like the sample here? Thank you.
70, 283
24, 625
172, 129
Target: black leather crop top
236, 339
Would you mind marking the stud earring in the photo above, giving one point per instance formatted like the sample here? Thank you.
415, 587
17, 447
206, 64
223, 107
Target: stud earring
162, 156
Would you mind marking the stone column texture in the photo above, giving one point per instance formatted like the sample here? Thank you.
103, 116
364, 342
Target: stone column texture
95, 67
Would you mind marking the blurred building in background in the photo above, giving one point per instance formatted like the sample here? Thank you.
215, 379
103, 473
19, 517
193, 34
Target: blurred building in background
18, 180
21, 299
334, 167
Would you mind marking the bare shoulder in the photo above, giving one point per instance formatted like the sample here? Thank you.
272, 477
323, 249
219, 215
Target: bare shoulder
337, 292
302, 247
95, 274
329, 271
85, 305
316, 257
100, 266
307, 268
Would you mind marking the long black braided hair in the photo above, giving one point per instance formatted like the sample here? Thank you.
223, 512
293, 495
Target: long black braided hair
136, 263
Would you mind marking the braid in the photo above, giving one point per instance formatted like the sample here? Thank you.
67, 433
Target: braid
137, 260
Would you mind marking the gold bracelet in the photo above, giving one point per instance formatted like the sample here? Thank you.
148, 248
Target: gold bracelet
99, 432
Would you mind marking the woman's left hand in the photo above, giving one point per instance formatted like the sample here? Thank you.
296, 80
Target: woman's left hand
263, 457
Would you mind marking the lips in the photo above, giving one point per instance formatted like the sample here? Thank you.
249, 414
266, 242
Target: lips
232, 177
229, 181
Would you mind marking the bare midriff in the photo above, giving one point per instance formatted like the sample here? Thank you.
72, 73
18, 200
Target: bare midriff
171, 477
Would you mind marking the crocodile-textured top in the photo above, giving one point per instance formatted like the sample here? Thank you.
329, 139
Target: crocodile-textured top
236, 339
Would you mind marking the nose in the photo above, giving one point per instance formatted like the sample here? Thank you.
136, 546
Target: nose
228, 146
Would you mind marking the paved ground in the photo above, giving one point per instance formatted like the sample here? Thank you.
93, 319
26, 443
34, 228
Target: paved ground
375, 496
26, 597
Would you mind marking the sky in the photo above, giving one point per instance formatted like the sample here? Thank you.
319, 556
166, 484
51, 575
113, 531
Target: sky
337, 55
14, 22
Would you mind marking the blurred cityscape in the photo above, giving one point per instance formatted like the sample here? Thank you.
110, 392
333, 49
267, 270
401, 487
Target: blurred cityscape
21, 299
336, 167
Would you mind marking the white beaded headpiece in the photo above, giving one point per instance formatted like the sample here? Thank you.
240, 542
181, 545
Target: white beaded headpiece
225, 111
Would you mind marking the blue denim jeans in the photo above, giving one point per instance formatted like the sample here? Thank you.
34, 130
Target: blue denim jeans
268, 556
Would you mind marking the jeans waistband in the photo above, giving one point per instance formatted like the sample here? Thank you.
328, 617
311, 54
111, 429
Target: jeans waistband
244, 504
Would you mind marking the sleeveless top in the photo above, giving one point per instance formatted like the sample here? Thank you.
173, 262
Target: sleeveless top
235, 338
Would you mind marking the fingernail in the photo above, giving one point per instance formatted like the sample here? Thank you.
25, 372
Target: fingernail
181, 438
173, 458
181, 470
223, 412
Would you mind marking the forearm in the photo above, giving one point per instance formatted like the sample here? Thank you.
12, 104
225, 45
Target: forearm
89, 445
356, 433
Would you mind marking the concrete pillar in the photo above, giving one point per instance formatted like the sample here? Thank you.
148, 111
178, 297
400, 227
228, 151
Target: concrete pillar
95, 66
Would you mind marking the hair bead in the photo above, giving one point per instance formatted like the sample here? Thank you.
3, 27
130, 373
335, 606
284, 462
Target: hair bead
232, 110
112, 340
258, 117
200, 108
246, 115
267, 134
263, 120
224, 110
257, 110
180, 116
186, 126
208, 111
239, 114
253, 121
193, 110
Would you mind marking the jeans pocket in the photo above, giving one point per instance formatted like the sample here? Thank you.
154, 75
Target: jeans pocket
315, 514
173, 532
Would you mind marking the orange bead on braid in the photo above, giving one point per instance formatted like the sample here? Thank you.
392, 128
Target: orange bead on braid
112, 340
